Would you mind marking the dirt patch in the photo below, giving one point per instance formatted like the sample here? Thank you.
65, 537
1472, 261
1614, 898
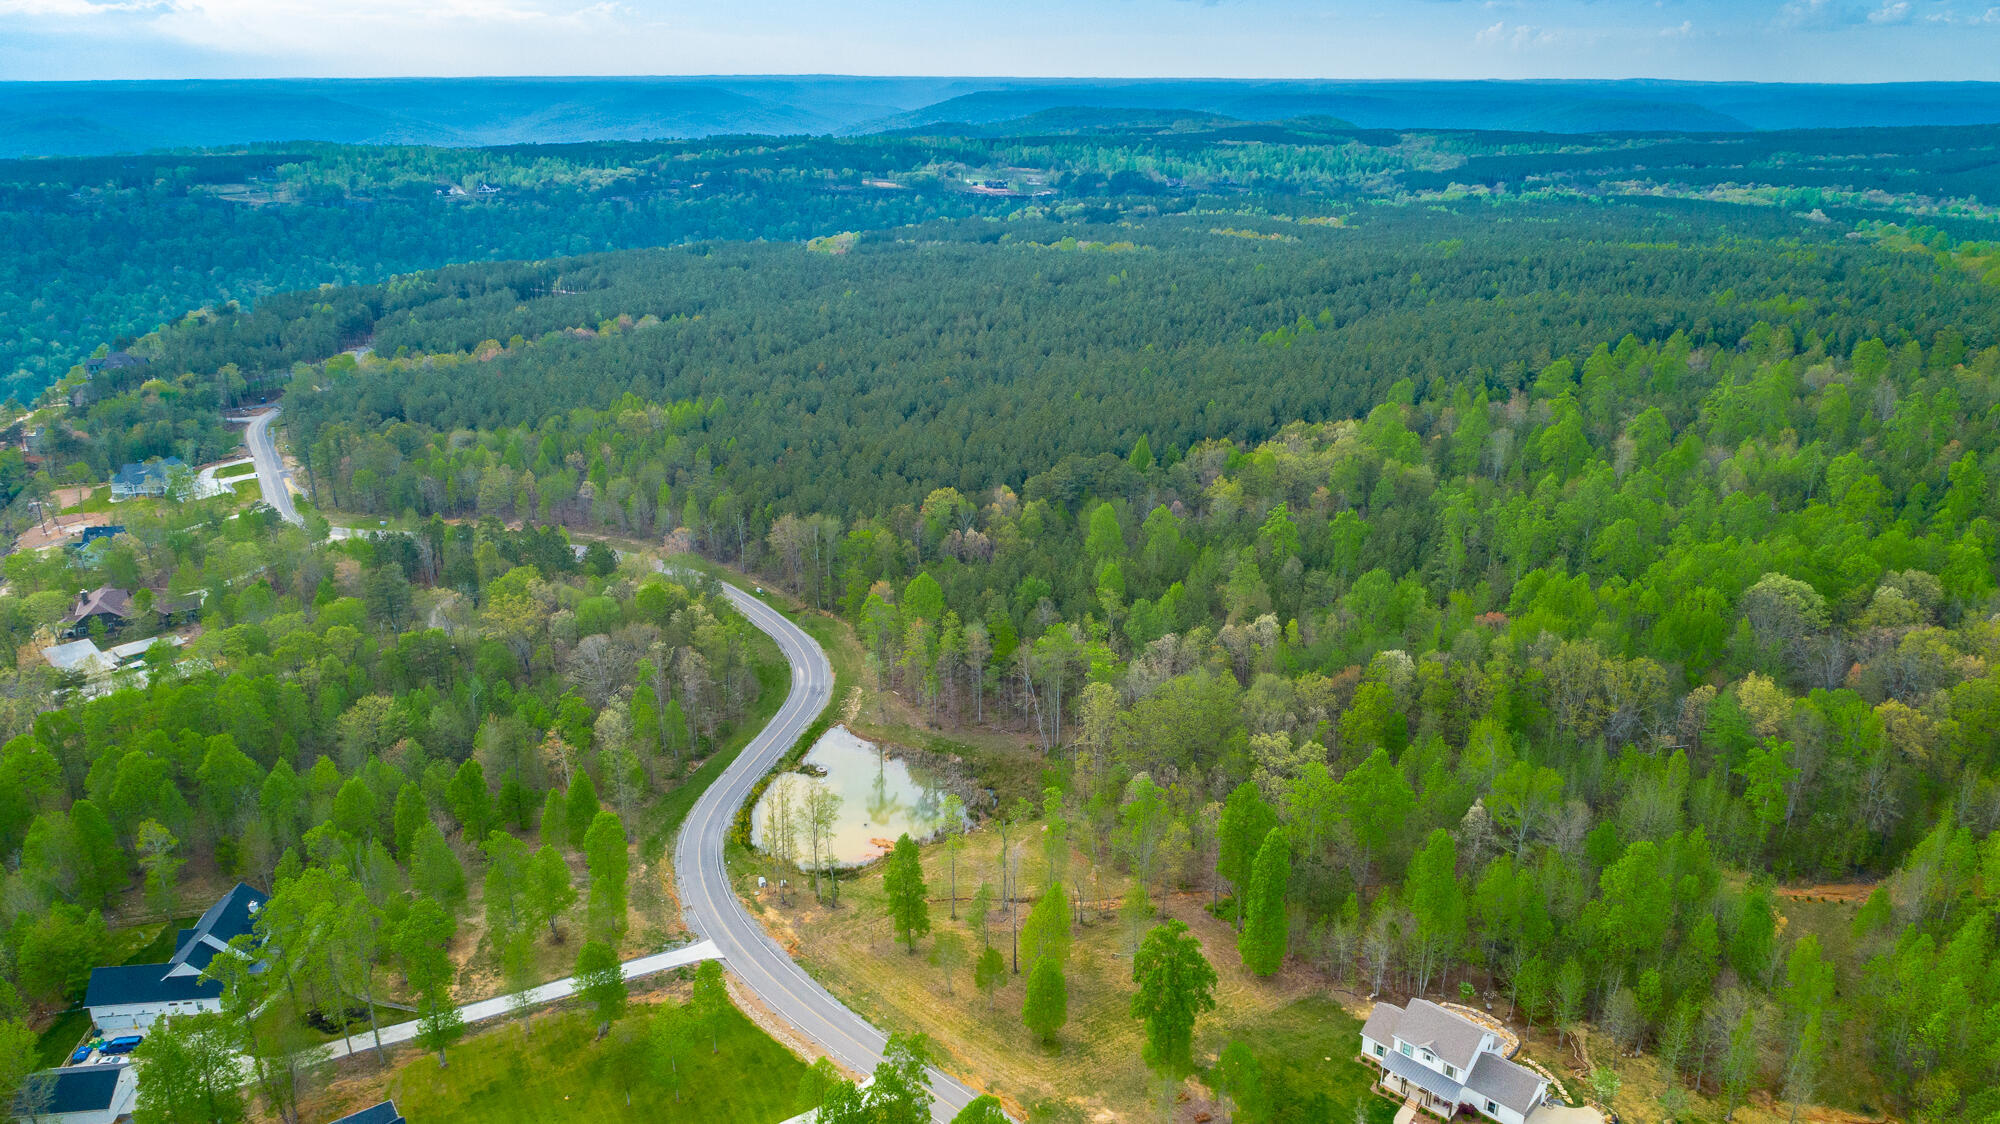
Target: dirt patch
1852, 892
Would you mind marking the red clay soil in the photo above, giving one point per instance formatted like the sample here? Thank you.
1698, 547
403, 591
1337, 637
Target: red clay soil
1854, 892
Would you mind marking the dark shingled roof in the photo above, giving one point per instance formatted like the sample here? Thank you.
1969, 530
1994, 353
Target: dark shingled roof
384, 1113
1498, 1079
230, 917
82, 1088
103, 599
144, 983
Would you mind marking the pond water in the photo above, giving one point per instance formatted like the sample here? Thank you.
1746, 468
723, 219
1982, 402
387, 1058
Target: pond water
880, 799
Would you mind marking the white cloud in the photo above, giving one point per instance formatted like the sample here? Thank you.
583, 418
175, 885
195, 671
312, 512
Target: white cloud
1896, 11
1517, 37
72, 9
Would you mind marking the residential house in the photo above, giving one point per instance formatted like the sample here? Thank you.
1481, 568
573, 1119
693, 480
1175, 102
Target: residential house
383, 1113
80, 656
106, 603
78, 1094
1447, 1063
148, 479
95, 532
130, 996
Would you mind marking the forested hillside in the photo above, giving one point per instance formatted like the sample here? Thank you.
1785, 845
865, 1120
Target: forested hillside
105, 249
456, 758
1564, 583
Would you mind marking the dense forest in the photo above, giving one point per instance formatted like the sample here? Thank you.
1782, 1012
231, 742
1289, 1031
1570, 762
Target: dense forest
1555, 579
364, 727
104, 249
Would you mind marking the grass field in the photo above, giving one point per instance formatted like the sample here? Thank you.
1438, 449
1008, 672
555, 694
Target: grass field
562, 1072
1305, 1040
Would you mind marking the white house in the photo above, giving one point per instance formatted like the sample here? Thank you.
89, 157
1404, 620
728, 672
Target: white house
1445, 1062
130, 996
78, 1094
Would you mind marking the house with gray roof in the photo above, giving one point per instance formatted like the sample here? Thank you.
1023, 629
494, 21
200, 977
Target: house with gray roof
129, 997
148, 479
1445, 1064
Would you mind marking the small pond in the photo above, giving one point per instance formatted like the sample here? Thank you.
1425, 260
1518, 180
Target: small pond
880, 798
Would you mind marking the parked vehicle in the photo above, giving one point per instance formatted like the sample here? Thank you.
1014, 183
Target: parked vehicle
82, 1054
124, 1044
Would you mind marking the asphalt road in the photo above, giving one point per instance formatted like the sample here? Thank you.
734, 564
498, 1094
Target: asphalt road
709, 902
270, 469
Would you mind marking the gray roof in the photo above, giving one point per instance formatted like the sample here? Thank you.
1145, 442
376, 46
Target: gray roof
1498, 1079
1422, 1076
1454, 1038
1381, 1024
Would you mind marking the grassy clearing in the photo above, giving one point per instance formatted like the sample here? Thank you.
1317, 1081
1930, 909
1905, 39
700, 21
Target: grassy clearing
563, 1072
1306, 1040
53, 1045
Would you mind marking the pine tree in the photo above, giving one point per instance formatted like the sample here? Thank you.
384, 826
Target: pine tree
555, 819
604, 849
411, 813
435, 871
549, 891
1246, 820
600, 981
1047, 1006
1265, 937
710, 1001
989, 972
1046, 933
1176, 986
1437, 902
581, 808
903, 880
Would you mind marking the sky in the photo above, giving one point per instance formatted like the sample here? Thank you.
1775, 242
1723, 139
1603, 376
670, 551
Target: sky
1717, 40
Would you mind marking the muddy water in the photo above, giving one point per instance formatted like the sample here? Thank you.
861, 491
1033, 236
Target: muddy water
880, 799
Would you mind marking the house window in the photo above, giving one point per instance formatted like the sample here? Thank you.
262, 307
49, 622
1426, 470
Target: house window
1492, 1109
1405, 1047
1379, 1051
1450, 1072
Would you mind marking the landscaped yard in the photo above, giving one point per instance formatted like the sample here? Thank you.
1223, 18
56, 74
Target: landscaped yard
563, 1072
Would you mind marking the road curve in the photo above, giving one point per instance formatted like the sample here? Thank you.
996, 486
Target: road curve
270, 468
709, 901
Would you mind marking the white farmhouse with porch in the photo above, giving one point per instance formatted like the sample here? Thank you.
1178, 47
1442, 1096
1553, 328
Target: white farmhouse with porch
129, 997
1444, 1063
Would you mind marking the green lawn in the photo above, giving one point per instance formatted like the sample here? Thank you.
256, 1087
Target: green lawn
140, 944
1306, 1050
53, 1045
561, 1072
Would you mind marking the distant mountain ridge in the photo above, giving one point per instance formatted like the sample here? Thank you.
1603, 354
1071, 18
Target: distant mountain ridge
97, 118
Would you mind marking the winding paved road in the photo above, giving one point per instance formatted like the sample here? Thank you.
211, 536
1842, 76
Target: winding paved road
270, 468
708, 899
